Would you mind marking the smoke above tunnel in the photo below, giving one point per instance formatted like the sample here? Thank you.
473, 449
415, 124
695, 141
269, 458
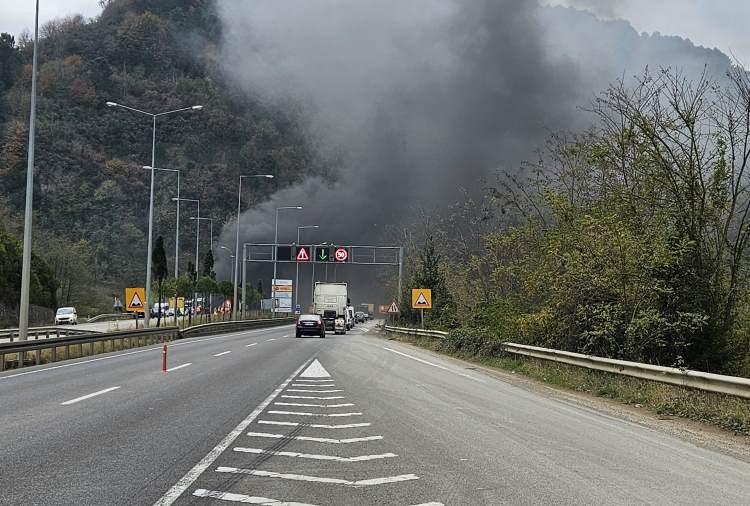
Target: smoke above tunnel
426, 99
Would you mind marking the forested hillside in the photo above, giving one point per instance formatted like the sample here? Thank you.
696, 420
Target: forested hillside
91, 193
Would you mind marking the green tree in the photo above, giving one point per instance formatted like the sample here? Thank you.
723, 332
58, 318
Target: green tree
208, 265
207, 286
159, 270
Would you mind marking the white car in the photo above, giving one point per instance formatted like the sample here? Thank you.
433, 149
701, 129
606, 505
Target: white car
66, 315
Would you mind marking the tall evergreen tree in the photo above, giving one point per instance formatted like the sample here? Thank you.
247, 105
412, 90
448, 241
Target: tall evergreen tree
160, 271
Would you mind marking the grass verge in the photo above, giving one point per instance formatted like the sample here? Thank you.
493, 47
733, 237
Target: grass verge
724, 411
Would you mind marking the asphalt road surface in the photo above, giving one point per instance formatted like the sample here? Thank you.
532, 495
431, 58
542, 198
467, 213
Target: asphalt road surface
260, 417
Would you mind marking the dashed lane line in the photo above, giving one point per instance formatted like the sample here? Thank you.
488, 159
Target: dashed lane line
88, 396
313, 397
314, 456
244, 499
175, 368
303, 405
222, 353
272, 339
189, 478
250, 345
316, 425
302, 413
319, 479
316, 439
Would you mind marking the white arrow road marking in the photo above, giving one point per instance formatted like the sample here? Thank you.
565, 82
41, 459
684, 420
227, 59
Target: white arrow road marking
313, 456
316, 439
333, 481
312, 397
222, 353
179, 367
302, 405
315, 370
89, 396
178, 488
313, 391
317, 425
301, 413
245, 499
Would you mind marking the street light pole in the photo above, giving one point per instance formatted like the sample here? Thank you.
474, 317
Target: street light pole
276, 234
197, 236
177, 225
237, 238
23, 315
151, 193
296, 280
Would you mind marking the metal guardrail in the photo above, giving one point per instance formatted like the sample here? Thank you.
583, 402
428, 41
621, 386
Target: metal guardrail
127, 339
110, 316
730, 385
45, 332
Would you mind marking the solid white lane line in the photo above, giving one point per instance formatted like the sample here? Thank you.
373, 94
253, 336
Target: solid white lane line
314, 391
315, 370
186, 481
316, 425
300, 413
302, 405
318, 479
319, 385
313, 397
316, 439
135, 352
314, 456
89, 396
244, 499
222, 353
179, 367
434, 365
251, 344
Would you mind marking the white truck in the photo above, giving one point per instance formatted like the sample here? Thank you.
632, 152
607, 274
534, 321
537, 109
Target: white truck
330, 301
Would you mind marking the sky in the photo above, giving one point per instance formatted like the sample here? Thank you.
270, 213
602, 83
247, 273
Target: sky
710, 23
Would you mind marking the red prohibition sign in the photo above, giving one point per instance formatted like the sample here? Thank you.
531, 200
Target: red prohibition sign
341, 254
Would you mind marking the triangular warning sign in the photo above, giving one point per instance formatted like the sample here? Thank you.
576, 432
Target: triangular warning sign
315, 370
393, 308
421, 300
302, 255
135, 301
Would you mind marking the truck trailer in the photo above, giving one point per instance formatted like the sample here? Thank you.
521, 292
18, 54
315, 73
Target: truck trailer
330, 301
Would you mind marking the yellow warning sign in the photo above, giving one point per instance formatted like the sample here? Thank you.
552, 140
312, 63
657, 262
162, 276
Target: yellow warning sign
136, 299
421, 298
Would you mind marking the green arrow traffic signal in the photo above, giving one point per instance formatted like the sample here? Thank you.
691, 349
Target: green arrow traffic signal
322, 254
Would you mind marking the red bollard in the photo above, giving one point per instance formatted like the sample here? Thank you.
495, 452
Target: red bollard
164, 359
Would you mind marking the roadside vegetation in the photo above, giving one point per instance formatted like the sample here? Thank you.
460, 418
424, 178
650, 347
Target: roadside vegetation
628, 241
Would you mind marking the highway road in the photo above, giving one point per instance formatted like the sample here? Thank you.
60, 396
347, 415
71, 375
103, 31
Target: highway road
259, 417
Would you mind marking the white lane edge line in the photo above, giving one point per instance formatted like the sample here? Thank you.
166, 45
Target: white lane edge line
179, 366
333, 481
189, 478
88, 396
135, 352
316, 425
223, 353
316, 439
434, 365
314, 456
245, 499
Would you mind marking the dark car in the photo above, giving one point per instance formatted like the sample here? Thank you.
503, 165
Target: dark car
310, 325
